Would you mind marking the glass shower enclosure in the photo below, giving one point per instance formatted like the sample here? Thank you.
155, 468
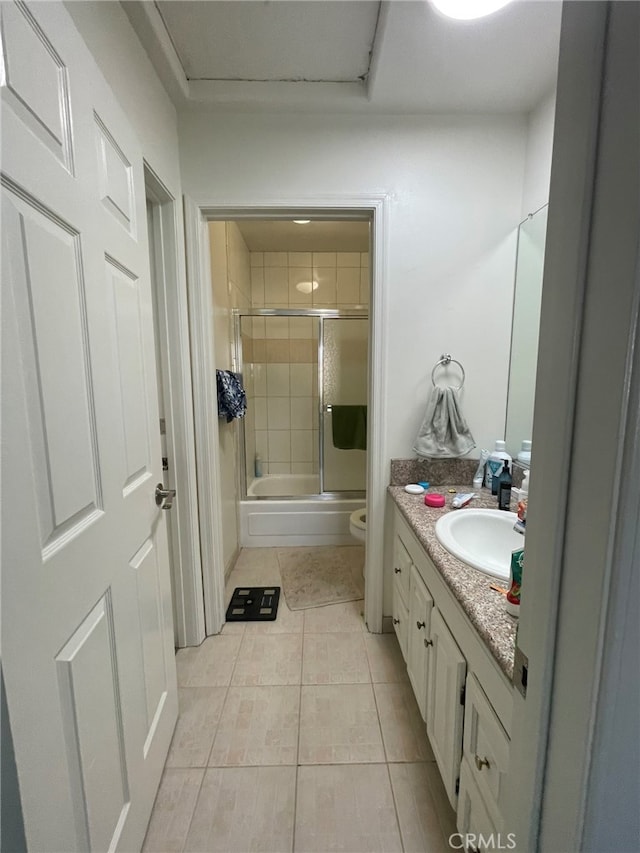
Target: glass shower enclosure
305, 373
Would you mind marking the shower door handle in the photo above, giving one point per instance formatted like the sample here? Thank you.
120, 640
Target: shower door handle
327, 408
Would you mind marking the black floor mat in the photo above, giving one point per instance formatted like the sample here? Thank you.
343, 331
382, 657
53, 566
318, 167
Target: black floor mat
254, 604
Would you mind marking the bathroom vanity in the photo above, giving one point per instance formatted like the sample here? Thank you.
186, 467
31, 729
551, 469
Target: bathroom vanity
458, 644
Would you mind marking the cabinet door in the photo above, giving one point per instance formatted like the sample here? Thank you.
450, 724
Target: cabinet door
400, 618
419, 630
401, 567
445, 708
472, 818
486, 748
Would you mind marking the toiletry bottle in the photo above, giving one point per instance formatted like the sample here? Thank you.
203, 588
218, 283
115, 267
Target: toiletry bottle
494, 465
512, 604
478, 477
258, 465
504, 487
524, 454
523, 502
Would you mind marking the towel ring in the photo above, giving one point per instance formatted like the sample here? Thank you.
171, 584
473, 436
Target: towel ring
444, 361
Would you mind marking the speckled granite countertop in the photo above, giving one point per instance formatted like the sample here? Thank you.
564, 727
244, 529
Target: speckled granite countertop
483, 606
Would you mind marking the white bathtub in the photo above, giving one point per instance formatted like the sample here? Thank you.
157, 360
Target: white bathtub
296, 522
282, 485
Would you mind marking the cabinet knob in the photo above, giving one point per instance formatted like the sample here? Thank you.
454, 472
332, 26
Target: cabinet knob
421, 625
398, 571
428, 642
481, 762
396, 621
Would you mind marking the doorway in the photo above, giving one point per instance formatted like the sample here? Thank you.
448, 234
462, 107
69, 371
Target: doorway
201, 259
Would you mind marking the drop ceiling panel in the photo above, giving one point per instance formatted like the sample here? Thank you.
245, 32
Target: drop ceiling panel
311, 40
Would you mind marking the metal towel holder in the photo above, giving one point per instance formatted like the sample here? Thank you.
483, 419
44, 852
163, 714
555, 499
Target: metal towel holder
444, 360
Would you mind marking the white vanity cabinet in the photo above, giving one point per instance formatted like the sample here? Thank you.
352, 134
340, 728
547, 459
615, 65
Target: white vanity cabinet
419, 641
445, 704
463, 695
401, 581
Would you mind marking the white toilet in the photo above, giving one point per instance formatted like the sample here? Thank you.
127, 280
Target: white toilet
358, 524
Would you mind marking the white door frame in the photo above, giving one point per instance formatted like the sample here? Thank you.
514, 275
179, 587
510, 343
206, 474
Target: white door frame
173, 325
205, 398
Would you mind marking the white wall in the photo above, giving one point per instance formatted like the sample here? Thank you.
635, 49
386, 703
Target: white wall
455, 191
537, 173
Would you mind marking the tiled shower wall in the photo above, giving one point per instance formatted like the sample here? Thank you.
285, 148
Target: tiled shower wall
282, 382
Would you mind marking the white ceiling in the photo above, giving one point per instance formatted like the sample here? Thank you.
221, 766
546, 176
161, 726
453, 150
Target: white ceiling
264, 235
398, 56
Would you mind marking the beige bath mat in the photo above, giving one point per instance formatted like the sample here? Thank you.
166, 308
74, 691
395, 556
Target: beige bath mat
313, 577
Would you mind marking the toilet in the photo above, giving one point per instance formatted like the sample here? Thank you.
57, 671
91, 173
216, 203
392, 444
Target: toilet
358, 524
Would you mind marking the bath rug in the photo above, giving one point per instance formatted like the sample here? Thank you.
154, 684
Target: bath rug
317, 576
253, 604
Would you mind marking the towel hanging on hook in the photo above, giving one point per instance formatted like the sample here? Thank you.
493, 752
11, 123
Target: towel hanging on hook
444, 433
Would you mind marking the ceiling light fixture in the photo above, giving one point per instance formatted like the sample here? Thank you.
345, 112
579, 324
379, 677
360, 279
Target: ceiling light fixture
466, 10
302, 221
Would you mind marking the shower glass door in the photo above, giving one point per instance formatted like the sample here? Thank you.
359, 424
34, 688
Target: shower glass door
343, 384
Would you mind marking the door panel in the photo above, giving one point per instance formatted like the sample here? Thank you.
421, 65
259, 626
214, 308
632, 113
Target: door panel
50, 292
130, 367
36, 82
92, 719
87, 636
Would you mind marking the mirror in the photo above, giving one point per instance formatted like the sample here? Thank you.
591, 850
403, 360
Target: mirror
524, 329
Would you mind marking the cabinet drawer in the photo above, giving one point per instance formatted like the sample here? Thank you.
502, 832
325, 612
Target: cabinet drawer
400, 619
472, 817
486, 747
401, 568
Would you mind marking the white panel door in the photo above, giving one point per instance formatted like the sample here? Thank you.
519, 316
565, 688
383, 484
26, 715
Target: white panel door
445, 703
87, 639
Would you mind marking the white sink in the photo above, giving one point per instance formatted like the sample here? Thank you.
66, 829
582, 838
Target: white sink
483, 538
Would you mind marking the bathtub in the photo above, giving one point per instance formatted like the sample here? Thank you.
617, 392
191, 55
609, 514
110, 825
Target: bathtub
268, 519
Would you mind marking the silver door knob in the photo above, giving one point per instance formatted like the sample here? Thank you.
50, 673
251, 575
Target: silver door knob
164, 497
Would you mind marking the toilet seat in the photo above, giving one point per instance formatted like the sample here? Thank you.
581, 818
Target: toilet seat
358, 523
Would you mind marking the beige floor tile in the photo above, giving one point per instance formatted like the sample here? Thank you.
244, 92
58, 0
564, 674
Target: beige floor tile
243, 809
347, 808
425, 825
259, 726
446, 814
268, 659
334, 659
208, 665
339, 725
172, 812
260, 559
385, 658
198, 716
403, 730
286, 622
233, 627
335, 618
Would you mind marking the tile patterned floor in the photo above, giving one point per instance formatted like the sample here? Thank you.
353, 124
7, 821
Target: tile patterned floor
295, 736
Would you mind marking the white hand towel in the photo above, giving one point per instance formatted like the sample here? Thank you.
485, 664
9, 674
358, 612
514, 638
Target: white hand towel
444, 433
